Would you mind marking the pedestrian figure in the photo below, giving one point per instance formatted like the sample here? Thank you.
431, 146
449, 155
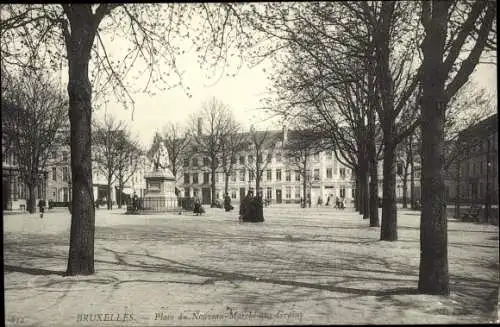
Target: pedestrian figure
135, 202
337, 203
198, 209
41, 205
342, 206
328, 201
227, 203
246, 206
259, 208
320, 201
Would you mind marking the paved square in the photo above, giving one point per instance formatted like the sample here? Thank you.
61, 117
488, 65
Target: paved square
301, 266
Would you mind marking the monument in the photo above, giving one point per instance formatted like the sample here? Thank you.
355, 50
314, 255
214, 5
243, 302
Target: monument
160, 185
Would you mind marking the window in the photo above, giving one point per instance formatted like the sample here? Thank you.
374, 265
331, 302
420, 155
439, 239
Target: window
329, 173
269, 157
195, 162
269, 193
278, 174
233, 176
195, 178
54, 154
242, 160
216, 177
54, 173
186, 191
334, 166
278, 157
206, 162
316, 157
297, 175
342, 192
242, 175
233, 159
329, 155
288, 192
316, 174
250, 159
269, 175
297, 192
185, 162
65, 156
65, 174
233, 194
342, 172
288, 175
251, 175
399, 170
186, 178
206, 178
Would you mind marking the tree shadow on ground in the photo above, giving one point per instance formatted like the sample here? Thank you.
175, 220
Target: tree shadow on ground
32, 271
310, 273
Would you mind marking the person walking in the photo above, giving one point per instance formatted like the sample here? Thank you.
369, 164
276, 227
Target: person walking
227, 203
41, 205
198, 210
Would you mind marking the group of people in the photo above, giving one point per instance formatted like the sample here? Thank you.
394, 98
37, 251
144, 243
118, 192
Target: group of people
339, 203
252, 208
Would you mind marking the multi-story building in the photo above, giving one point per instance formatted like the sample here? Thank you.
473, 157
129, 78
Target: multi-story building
473, 178
14, 190
281, 182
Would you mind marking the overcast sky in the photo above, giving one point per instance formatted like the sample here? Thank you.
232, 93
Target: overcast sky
242, 93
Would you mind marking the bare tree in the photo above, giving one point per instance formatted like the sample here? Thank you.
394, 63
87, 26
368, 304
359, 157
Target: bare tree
176, 141
456, 35
33, 111
261, 143
128, 162
232, 143
109, 143
300, 145
53, 34
209, 127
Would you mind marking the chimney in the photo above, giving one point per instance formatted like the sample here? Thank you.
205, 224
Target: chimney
199, 126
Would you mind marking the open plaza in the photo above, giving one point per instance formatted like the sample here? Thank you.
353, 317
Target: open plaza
301, 266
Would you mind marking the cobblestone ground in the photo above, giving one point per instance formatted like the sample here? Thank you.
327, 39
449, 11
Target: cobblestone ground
301, 266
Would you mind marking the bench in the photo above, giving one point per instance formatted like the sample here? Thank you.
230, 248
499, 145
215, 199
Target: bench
472, 214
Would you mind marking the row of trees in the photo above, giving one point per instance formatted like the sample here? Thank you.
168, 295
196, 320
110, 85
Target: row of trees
367, 75
116, 154
214, 135
33, 113
359, 72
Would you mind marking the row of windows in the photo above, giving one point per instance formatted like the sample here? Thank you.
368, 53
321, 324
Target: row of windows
476, 168
65, 174
243, 160
268, 175
297, 193
64, 155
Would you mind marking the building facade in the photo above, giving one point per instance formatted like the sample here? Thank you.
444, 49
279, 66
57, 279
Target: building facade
281, 182
473, 177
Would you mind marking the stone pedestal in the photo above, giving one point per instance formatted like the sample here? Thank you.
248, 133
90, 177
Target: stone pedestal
160, 192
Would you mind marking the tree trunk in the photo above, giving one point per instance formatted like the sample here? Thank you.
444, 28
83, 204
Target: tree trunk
411, 159
389, 230
405, 186
79, 43
31, 203
374, 220
457, 196
119, 196
226, 183
212, 185
365, 194
304, 187
108, 195
357, 202
433, 274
